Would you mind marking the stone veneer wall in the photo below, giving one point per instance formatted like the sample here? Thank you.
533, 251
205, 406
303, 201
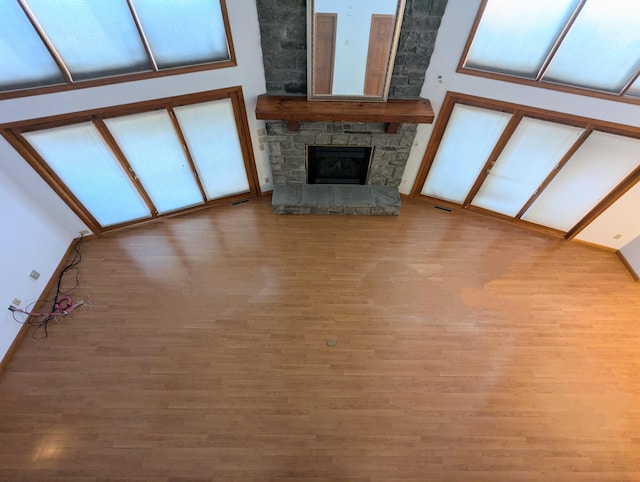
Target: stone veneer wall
288, 153
284, 45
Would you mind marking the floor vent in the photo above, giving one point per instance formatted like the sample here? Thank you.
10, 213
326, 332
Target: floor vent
240, 202
442, 208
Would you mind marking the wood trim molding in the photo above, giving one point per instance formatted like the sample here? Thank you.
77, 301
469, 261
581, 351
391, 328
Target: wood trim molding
297, 108
594, 245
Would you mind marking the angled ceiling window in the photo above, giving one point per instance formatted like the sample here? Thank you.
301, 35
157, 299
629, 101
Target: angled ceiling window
583, 44
26, 62
515, 37
470, 136
82, 160
115, 167
533, 150
215, 147
154, 152
541, 169
83, 42
183, 32
585, 180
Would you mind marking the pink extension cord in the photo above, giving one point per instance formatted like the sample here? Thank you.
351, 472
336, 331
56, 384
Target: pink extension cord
63, 307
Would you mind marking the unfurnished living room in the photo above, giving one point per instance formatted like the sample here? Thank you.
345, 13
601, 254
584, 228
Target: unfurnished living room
320, 240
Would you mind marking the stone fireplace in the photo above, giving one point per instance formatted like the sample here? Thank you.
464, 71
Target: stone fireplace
284, 43
287, 149
376, 194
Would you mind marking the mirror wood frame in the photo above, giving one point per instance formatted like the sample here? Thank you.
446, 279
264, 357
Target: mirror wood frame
386, 82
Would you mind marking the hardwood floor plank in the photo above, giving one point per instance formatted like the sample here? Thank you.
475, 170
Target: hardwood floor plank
465, 349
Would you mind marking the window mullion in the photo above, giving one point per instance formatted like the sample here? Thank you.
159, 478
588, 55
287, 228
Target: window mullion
46, 41
630, 83
559, 40
187, 152
576, 145
124, 164
493, 157
143, 36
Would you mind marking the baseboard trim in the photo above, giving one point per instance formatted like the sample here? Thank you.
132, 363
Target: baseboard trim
51, 284
627, 265
593, 245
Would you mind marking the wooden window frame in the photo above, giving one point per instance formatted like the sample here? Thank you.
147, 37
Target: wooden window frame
538, 82
152, 74
12, 132
518, 112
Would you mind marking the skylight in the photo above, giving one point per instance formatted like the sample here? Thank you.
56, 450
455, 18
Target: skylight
48, 43
588, 44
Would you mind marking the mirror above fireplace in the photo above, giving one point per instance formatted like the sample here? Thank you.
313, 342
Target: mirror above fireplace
351, 48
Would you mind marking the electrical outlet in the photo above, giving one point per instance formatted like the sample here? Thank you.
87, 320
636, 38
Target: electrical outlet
16, 302
34, 274
266, 179
83, 232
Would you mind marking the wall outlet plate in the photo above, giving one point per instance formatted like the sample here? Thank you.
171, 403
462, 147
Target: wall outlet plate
16, 302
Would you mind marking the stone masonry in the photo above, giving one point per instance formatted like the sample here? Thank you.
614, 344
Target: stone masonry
288, 148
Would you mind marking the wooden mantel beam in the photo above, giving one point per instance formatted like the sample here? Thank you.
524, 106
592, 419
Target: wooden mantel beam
294, 109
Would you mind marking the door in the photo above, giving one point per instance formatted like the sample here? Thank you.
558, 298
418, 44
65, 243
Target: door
380, 38
324, 52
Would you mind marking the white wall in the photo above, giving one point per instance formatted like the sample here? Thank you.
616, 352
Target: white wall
618, 225
631, 252
31, 240
37, 226
442, 77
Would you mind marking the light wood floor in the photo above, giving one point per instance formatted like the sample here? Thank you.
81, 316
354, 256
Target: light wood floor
466, 350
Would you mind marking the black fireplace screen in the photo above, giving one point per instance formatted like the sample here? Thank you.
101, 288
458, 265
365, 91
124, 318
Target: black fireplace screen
338, 164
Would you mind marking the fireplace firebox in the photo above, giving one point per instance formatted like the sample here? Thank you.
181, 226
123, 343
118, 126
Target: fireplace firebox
338, 164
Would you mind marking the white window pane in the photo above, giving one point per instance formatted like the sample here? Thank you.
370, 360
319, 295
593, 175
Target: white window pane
600, 164
601, 49
469, 138
533, 151
79, 156
515, 37
151, 145
24, 58
95, 38
212, 137
180, 33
